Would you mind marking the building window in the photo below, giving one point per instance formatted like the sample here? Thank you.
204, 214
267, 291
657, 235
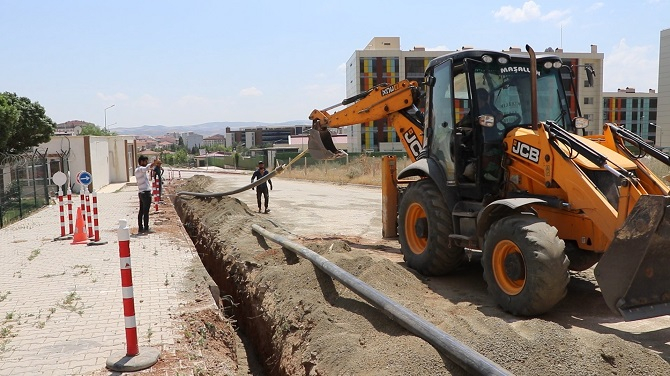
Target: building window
587, 83
588, 100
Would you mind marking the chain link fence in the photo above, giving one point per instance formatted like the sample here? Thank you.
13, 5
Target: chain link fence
24, 185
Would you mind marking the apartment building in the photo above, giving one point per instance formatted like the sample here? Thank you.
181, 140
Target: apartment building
382, 61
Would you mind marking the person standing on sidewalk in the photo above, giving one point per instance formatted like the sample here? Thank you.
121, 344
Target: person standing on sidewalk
144, 192
262, 189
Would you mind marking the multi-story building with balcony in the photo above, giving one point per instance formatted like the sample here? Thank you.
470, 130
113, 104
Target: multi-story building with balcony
636, 112
382, 61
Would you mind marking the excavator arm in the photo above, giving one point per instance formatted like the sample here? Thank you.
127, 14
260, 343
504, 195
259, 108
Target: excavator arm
395, 102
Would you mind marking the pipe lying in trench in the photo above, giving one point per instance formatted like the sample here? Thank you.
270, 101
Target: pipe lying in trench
258, 182
467, 358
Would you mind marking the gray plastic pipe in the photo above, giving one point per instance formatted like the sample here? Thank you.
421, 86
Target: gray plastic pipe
258, 182
467, 358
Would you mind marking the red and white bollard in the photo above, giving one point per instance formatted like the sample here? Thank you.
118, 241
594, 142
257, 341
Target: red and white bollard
69, 211
89, 216
96, 229
127, 290
61, 211
135, 359
154, 194
82, 200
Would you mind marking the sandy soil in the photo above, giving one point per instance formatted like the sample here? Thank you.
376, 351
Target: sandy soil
304, 323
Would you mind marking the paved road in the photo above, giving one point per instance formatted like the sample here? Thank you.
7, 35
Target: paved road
311, 208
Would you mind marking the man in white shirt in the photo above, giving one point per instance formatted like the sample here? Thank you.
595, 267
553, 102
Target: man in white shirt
144, 193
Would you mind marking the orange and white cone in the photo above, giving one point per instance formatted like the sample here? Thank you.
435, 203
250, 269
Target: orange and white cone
80, 234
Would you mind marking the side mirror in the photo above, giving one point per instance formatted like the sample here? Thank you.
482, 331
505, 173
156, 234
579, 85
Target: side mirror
590, 73
580, 122
486, 120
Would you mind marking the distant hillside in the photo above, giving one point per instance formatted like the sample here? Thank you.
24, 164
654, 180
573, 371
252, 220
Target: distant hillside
206, 129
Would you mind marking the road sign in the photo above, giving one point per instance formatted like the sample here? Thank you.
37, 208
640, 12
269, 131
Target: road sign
84, 178
59, 178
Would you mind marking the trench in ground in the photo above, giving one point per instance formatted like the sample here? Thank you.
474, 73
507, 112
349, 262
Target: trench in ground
238, 298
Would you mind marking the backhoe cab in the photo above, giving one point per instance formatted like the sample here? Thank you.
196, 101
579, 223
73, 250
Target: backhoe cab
498, 171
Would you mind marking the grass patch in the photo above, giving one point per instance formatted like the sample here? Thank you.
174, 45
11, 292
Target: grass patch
34, 254
364, 170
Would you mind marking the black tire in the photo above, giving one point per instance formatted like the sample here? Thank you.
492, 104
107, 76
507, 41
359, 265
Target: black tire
524, 264
424, 226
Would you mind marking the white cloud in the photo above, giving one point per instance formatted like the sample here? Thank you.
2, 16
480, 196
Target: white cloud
530, 11
438, 48
555, 15
630, 66
595, 6
250, 92
112, 97
148, 101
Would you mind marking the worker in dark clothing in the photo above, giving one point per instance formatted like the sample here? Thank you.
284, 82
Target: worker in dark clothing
262, 189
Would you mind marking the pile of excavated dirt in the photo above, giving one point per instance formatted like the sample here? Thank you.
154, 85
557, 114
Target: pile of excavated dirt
302, 322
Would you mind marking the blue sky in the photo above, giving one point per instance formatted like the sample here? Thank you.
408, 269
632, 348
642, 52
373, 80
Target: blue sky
191, 62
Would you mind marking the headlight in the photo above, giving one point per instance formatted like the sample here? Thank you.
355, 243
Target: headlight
548, 64
502, 60
557, 64
487, 59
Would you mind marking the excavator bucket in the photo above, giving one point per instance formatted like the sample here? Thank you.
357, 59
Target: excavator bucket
321, 146
634, 272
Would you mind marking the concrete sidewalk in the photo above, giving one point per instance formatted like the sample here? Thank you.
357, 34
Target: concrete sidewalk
61, 307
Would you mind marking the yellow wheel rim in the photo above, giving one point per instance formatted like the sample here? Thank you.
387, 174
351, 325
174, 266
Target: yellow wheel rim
501, 252
416, 243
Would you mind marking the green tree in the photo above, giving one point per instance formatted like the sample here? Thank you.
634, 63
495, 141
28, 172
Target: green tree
23, 124
9, 118
91, 129
181, 141
180, 157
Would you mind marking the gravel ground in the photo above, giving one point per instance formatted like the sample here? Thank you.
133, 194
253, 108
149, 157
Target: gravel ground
303, 322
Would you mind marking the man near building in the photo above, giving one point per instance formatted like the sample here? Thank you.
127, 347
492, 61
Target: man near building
262, 189
144, 193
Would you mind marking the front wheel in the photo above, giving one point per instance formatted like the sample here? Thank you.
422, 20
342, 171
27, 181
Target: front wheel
424, 226
524, 265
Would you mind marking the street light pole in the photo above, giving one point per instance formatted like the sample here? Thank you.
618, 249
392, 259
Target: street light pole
106, 115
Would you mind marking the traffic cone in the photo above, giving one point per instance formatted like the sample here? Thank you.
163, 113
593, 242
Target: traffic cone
80, 236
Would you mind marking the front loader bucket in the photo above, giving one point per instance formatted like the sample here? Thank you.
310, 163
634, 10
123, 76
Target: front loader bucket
321, 146
634, 272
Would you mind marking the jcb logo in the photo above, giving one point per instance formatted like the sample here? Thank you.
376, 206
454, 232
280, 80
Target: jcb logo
389, 90
526, 151
413, 142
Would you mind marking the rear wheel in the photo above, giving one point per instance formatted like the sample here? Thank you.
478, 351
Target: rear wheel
424, 226
524, 265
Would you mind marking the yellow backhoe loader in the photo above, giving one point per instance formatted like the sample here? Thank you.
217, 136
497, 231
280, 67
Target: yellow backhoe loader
499, 169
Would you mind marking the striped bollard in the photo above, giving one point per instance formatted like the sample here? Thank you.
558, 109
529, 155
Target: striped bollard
82, 201
135, 358
69, 211
61, 211
61, 215
96, 229
89, 216
154, 194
